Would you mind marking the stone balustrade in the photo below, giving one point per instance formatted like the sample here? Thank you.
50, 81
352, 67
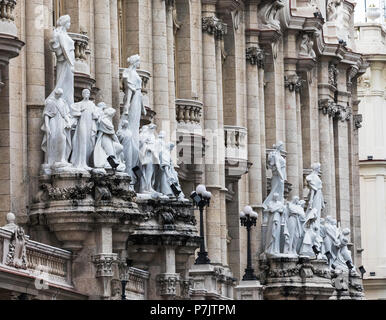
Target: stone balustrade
236, 142
236, 151
81, 53
6, 10
189, 113
45, 263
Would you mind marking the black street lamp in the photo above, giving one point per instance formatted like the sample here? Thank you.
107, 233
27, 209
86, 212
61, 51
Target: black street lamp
248, 219
201, 198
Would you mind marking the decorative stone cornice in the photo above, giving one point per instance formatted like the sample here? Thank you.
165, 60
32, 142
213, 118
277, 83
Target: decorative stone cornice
214, 26
293, 83
351, 74
256, 56
358, 119
104, 264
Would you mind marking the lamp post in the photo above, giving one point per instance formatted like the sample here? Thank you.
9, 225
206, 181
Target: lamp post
201, 198
248, 219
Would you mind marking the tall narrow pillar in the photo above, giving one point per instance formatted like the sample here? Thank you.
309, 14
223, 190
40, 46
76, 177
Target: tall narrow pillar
115, 59
103, 63
160, 67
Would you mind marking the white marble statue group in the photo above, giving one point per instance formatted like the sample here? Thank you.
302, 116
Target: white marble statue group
80, 137
293, 230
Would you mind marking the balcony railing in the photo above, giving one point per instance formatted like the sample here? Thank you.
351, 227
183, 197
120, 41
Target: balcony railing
82, 53
43, 262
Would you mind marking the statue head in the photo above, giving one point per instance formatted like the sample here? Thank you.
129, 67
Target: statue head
86, 94
302, 203
295, 200
134, 61
346, 232
11, 218
275, 196
152, 127
279, 146
65, 22
334, 222
58, 93
125, 124
102, 105
316, 167
161, 135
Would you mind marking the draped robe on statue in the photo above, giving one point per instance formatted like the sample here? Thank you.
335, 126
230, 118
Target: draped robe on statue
315, 184
64, 49
56, 145
275, 208
84, 138
278, 166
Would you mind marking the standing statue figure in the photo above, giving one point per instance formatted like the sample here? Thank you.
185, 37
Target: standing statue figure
163, 176
316, 200
343, 259
133, 106
277, 164
307, 47
57, 132
276, 209
312, 239
64, 49
107, 144
295, 216
130, 150
83, 142
330, 240
332, 11
149, 158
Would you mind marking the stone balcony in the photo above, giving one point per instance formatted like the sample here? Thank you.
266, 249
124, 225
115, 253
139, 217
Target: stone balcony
236, 151
45, 269
82, 78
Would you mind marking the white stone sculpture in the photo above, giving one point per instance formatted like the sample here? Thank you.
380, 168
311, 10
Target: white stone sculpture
296, 216
57, 133
332, 11
149, 158
275, 209
165, 159
316, 199
277, 164
64, 48
343, 259
130, 150
311, 235
268, 13
83, 142
330, 240
16, 256
306, 47
107, 144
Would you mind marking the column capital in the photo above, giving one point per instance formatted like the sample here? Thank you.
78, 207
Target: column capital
328, 107
214, 26
293, 82
256, 56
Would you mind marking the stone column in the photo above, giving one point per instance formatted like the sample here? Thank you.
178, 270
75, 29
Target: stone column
115, 59
171, 74
212, 174
103, 63
36, 56
160, 67
292, 82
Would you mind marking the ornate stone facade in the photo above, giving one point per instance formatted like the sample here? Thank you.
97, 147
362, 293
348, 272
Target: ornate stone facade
224, 81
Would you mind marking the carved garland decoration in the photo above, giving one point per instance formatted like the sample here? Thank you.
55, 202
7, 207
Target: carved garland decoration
214, 26
256, 56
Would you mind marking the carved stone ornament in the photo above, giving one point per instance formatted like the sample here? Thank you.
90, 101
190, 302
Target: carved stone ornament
332, 10
344, 113
214, 26
17, 256
256, 56
328, 107
293, 83
333, 73
104, 264
351, 74
167, 284
358, 119
268, 11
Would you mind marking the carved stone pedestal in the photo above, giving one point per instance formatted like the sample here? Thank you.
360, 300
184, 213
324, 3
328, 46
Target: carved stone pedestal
211, 282
249, 290
292, 278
